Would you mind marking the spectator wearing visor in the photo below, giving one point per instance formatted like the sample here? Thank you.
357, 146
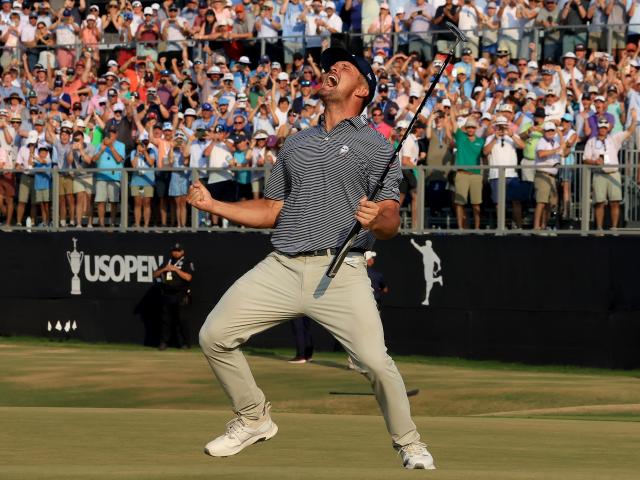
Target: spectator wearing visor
602, 151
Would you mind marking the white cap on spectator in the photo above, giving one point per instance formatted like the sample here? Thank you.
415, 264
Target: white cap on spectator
569, 55
244, 59
66, 124
378, 59
415, 92
532, 64
91, 17
276, 65
333, 5
547, 126
482, 63
214, 70
369, 254
190, 111
492, 5
94, 7
399, 10
17, 5
118, 107
385, 5
446, 102
261, 135
600, 98
147, 11
221, 59
80, 123
136, 4
110, 63
531, 96
227, 76
500, 120
477, 89
402, 124
603, 122
242, 96
486, 116
506, 107
283, 76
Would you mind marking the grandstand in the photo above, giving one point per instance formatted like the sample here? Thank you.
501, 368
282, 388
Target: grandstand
223, 84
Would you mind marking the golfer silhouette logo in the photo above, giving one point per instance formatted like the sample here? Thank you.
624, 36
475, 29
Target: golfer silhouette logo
429, 258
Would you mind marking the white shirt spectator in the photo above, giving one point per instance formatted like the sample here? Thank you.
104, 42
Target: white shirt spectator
468, 21
510, 23
502, 154
220, 157
608, 148
410, 149
546, 164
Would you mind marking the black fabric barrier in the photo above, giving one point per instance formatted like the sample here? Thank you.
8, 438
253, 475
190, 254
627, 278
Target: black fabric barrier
531, 299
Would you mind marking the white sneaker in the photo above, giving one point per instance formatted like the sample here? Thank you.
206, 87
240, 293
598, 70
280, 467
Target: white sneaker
416, 456
240, 433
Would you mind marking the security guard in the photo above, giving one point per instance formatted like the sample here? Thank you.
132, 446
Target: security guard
176, 274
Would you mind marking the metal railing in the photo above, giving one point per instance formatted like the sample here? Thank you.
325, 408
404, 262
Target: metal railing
435, 210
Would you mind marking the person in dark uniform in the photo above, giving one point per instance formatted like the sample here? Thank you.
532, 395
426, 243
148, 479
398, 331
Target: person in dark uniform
377, 279
301, 328
176, 274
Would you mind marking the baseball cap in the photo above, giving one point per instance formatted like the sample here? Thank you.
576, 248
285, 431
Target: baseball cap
491, 5
167, 126
238, 8
80, 123
567, 117
118, 107
66, 124
539, 113
283, 76
600, 98
276, 65
214, 70
569, 55
227, 76
239, 137
548, 126
379, 59
466, 51
218, 128
147, 11
446, 102
612, 88
177, 247
532, 64
402, 124
261, 135
190, 111
222, 101
471, 122
506, 107
384, 5
550, 91
244, 59
207, 106
334, 54
603, 122
500, 120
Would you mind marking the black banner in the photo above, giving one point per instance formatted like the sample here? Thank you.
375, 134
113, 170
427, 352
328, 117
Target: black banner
533, 299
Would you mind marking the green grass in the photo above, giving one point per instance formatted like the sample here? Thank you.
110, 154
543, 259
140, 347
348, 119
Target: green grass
84, 411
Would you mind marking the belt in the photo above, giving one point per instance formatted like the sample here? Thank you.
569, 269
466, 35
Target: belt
321, 252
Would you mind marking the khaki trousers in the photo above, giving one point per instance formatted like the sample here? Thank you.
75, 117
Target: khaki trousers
280, 288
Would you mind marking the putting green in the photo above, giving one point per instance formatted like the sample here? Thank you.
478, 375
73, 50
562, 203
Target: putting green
109, 412
64, 443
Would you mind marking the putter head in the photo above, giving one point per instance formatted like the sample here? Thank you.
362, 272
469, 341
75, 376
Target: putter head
459, 35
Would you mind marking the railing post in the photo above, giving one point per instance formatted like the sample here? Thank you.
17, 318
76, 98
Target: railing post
194, 210
609, 38
585, 200
55, 200
124, 201
502, 200
420, 203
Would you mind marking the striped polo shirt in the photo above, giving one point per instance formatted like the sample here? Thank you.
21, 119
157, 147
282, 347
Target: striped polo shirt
321, 176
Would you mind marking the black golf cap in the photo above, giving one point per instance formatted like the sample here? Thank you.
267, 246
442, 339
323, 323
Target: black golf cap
177, 248
334, 55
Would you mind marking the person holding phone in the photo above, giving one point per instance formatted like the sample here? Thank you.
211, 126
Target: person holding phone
144, 158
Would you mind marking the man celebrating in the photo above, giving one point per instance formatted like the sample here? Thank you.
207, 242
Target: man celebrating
346, 156
602, 150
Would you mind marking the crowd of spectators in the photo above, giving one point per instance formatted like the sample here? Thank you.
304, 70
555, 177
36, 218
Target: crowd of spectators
160, 87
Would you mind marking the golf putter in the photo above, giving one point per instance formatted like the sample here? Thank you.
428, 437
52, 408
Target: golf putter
355, 230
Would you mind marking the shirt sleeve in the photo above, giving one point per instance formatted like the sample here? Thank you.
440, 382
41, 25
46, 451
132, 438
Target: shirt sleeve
589, 153
278, 185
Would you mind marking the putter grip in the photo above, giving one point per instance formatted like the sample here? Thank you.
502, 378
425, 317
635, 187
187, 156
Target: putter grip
461, 36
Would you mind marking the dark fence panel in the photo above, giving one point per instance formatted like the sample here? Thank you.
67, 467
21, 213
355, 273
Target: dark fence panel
531, 299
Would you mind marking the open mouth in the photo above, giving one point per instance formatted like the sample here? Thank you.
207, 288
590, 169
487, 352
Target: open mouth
331, 80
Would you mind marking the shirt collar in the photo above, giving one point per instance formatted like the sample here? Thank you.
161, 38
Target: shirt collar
358, 122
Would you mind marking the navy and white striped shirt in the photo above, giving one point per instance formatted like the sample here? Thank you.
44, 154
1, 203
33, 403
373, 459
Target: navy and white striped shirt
321, 177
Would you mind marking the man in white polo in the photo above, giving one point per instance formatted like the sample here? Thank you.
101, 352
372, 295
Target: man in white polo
549, 151
602, 150
500, 148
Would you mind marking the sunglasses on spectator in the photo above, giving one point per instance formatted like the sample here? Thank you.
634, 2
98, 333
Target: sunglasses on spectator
65, 130
523, 64
377, 114
16, 121
238, 122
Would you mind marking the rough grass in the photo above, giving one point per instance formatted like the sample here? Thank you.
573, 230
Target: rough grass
79, 411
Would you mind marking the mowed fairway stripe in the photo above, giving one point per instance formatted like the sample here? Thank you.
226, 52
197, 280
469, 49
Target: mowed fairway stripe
73, 443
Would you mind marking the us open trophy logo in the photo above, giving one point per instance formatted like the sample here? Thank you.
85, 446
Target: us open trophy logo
75, 261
